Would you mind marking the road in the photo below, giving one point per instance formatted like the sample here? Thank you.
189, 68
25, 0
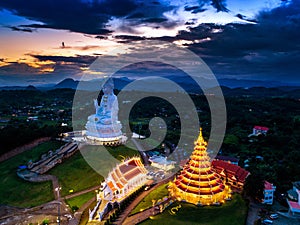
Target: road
124, 219
82, 192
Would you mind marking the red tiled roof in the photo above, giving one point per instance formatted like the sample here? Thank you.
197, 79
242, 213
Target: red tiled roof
268, 186
230, 169
132, 173
127, 166
261, 128
294, 205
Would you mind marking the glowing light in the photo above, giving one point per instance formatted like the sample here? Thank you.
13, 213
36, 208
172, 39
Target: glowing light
198, 183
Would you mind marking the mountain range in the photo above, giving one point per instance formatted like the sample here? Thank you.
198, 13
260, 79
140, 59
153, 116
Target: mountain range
230, 87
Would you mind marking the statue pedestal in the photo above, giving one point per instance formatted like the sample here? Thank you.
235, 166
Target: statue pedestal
104, 134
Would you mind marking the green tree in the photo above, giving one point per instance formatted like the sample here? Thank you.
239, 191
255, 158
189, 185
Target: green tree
254, 187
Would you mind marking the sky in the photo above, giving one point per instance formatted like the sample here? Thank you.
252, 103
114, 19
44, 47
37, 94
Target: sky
44, 42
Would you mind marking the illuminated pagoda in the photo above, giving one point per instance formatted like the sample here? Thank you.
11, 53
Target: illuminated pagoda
198, 183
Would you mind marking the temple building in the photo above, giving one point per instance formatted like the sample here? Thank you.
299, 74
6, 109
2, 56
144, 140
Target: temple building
125, 177
122, 181
233, 174
161, 162
197, 182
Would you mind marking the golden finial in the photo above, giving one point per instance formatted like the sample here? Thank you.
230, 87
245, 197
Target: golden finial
200, 139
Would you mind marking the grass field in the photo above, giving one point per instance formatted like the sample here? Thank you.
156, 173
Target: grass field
88, 167
121, 152
17, 192
156, 194
80, 200
231, 213
75, 174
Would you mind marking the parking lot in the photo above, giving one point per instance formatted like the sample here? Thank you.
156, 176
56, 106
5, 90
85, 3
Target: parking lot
285, 221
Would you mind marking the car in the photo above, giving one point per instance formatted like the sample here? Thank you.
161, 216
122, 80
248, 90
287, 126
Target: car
274, 216
267, 221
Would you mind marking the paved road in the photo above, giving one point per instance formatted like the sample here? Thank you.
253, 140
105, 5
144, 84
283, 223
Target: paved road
129, 208
124, 219
252, 213
82, 192
77, 215
139, 217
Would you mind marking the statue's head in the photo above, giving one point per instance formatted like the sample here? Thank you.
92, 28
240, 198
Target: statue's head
108, 87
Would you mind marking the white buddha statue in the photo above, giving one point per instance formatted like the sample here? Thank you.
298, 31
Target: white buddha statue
104, 123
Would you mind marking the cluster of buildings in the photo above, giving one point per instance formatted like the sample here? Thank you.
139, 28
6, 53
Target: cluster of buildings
200, 182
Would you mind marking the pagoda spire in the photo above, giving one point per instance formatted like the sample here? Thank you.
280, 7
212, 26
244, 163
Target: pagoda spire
198, 183
200, 139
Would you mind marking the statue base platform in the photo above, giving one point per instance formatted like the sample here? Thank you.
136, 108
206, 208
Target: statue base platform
107, 141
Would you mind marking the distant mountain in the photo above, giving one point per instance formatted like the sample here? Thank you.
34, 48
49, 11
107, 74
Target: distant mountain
236, 83
13, 88
67, 83
230, 87
31, 88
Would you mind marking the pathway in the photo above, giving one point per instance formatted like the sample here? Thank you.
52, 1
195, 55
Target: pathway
124, 219
132, 205
78, 214
139, 217
82, 192
252, 213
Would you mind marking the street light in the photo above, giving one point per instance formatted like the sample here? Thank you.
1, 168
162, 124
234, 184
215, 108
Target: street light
58, 199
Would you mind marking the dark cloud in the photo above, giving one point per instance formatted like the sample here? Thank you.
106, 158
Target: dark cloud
155, 20
128, 38
91, 16
136, 16
101, 37
268, 49
242, 17
86, 60
14, 28
220, 5
18, 68
74, 15
194, 9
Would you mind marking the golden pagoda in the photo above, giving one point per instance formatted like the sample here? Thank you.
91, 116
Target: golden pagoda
198, 183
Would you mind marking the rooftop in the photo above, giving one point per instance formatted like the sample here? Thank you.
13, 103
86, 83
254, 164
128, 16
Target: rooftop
269, 186
261, 128
231, 169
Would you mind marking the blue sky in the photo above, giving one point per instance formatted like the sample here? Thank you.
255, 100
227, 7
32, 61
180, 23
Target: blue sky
238, 39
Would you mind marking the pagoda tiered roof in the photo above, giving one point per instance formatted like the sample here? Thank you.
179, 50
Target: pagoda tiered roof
232, 171
198, 183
